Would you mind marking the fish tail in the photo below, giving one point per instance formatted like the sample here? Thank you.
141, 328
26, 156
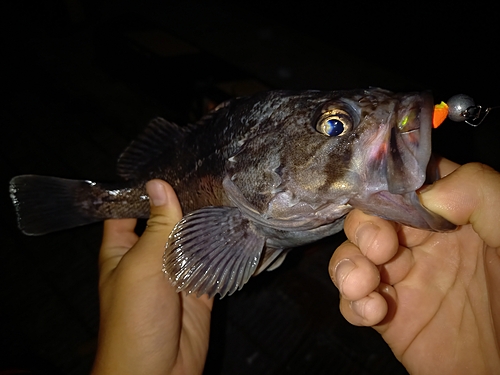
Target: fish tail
48, 204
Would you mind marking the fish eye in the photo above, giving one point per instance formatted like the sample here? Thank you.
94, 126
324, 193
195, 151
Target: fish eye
334, 123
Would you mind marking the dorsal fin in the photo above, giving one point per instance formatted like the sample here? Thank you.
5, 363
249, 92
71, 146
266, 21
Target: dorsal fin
214, 112
159, 137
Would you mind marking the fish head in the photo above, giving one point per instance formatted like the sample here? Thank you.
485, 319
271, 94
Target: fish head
391, 153
315, 155
392, 141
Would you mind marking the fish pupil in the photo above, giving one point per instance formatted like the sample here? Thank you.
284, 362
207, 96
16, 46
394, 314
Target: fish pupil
334, 127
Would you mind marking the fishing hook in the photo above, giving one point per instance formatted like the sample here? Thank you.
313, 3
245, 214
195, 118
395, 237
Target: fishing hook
463, 108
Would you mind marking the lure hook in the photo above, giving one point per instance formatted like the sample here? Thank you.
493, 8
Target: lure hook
463, 108
476, 112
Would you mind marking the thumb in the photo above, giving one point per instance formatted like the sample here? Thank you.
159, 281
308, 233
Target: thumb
165, 208
469, 195
165, 213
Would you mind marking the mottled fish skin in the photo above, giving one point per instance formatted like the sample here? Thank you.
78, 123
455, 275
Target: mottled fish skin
258, 176
269, 148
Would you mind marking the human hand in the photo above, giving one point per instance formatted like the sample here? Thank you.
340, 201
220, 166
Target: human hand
146, 327
434, 297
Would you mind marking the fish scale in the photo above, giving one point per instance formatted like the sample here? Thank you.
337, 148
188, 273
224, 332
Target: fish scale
264, 173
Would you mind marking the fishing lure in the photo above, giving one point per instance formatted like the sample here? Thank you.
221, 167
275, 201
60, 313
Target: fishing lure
460, 108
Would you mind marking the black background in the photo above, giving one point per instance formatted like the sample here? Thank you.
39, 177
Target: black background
81, 78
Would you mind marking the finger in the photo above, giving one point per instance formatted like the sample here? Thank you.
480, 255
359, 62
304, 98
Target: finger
396, 269
471, 194
446, 166
389, 294
376, 238
411, 237
352, 273
119, 233
190, 299
118, 237
165, 213
367, 311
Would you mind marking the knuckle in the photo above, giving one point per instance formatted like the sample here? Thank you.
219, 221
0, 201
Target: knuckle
160, 223
477, 169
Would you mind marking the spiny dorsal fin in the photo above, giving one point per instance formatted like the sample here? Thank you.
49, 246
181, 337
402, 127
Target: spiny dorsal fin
214, 112
159, 137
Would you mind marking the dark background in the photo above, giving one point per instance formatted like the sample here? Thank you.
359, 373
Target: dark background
81, 78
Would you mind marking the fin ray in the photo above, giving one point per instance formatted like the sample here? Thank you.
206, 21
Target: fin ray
219, 257
47, 204
269, 258
158, 139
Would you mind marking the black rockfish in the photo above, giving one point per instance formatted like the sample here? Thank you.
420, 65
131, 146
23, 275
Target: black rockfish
256, 177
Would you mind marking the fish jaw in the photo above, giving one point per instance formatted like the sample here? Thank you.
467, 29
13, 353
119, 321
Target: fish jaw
396, 161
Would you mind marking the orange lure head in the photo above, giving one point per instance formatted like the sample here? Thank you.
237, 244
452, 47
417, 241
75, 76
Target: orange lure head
440, 114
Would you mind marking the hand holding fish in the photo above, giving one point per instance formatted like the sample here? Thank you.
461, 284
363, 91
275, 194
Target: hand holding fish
146, 326
432, 296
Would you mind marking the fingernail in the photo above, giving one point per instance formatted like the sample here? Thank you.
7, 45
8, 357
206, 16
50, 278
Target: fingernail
359, 306
344, 267
423, 195
425, 189
156, 192
365, 235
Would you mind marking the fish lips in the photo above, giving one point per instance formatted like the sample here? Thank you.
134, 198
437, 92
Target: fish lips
401, 162
409, 146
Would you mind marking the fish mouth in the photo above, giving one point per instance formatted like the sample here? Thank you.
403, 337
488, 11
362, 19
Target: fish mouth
409, 148
400, 166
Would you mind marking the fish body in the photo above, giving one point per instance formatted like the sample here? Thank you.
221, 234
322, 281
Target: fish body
256, 177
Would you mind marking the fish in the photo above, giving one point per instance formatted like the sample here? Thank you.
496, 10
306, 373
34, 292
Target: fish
256, 177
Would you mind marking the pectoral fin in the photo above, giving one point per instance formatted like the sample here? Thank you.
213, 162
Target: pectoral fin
212, 250
271, 259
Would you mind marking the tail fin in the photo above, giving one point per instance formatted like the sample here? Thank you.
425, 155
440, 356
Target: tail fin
48, 204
